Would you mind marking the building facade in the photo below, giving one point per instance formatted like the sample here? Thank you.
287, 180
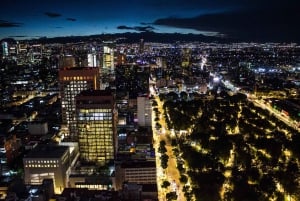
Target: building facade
108, 56
38, 128
144, 111
139, 172
47, 162
96, 123
4, 49
72, 81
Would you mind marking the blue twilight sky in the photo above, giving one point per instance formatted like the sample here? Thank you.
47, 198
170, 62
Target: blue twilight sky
242, 19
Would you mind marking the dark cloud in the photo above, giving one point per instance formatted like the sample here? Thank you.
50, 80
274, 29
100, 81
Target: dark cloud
276, 24
71, 19
215, 5
52, 15
137, 28
7, 24
124, 27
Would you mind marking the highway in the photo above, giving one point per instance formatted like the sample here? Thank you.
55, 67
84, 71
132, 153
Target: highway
279, 115
260, 103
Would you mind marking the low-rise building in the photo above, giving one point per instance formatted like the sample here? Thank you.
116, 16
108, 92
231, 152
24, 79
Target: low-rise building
47, 162
139, 172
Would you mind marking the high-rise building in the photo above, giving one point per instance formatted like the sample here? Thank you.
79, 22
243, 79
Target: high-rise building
72, 81
92, 60
186, 57
161, 62
108, 56
121, 59
67, 61
4, 49
142, 44
96, 123
144, 111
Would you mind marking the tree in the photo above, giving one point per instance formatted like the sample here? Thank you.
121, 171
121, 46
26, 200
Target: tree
161, 96
174, 142
171, 196
162, 149
162, 143
172, 96
289, 182
180, 167
165, 184
183, 95
157, 125
154, 103
155, 109
183, 179
164, 161
253, 174
267, 184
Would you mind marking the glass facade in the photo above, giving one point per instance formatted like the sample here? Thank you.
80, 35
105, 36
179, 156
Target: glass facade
72, 82
95, 134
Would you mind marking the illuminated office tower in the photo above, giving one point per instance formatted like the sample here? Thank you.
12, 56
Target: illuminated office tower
144, 111
96, 124
92, 60
186, 57
67, 61
121, 59
108, 56
36, 52
161, 62
4, 49
72, 81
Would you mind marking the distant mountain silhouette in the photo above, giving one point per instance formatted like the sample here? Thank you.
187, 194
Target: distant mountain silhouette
9, 40
135, 37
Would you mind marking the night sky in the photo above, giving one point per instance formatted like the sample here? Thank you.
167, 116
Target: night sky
246, 20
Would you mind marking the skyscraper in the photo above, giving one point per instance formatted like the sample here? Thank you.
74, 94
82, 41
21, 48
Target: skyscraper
142, 44
67, 61
4, 49
92, 60
72, 81
96, 123
108, 56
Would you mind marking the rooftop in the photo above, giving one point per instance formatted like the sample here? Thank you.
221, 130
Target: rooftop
96, 93
47, 151
85, 194
139, 164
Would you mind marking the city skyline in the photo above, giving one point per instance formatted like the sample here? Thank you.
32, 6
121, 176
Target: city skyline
270, 21
171, 121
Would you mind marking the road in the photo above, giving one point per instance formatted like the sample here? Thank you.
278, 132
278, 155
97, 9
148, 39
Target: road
260, 103
276, 113
171, 173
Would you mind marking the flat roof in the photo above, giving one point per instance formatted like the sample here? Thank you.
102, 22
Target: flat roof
80, 68
96, 93
138, 164
47, 151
